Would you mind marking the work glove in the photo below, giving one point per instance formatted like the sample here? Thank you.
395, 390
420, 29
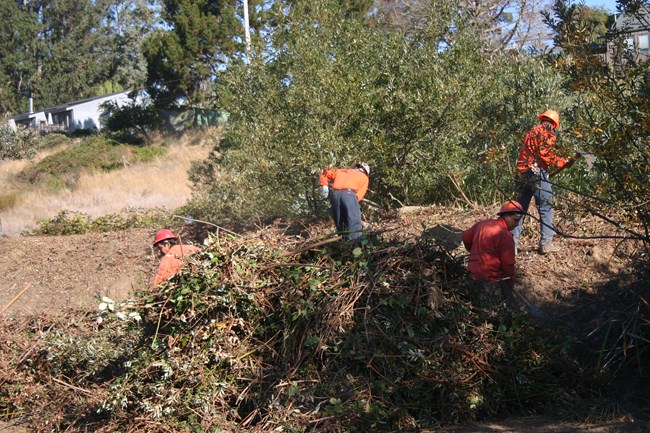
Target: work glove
571, 161
324, 191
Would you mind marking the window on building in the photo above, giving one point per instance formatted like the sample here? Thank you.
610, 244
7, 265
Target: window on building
644, 42
630, 43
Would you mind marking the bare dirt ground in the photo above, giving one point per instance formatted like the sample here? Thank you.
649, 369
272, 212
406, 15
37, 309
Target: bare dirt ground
570, 286
62, 272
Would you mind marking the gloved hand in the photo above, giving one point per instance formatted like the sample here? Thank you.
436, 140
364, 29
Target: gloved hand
324, 191
572, 160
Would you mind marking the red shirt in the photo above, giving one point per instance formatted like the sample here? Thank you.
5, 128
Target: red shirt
172, 262
346, 178
538, 148
492, 250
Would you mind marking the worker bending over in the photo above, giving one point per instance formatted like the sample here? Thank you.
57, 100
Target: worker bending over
348, 187
492, 251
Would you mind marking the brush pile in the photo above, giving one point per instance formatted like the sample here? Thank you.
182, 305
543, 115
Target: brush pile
383, 334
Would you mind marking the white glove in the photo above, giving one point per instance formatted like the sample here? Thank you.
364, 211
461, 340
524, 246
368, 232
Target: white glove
324, 191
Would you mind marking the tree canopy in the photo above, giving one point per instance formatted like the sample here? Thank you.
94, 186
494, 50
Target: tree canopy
200, 39
60, 51
343, 89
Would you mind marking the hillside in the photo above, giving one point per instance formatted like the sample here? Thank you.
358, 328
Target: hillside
585, 293
160, 182
74, 271
578, 290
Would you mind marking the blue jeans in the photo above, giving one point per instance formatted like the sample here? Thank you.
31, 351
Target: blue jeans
346, 212
532, 185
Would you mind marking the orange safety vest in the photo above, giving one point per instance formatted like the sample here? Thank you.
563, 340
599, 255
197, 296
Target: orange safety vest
346, 178
492, 250
172, 262
537, 150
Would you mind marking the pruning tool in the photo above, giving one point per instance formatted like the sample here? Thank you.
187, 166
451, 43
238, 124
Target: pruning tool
589, 158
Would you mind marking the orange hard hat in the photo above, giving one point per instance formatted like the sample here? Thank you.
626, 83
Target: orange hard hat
511, 206
163, 235
552, 116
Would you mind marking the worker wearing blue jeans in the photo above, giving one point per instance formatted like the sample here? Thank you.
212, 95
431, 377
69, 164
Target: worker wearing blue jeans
349, 185
536, 185
346, 212
536, 157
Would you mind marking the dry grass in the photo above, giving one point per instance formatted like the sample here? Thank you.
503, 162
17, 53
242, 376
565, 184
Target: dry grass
161, 183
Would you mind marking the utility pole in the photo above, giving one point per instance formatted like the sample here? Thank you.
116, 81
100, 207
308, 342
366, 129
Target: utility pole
247, 32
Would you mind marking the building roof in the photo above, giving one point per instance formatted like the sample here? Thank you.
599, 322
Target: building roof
633, 22
66, 106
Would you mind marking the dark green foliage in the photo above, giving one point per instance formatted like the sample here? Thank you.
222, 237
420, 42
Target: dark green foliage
72, 52
202, 38
130, 119
609, 118
61, 51
17, 62
436, 123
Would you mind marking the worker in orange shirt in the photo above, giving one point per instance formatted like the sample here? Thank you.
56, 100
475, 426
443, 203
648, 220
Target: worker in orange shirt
173, 255
348, 187
492, 250
536, 157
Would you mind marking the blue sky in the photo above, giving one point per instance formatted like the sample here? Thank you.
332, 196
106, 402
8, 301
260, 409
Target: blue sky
610, 5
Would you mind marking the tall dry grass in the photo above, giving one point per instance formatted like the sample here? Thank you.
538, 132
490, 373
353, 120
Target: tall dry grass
161, 183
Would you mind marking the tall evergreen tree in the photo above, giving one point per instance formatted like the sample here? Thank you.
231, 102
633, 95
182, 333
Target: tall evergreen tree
202, 38
17, 59
62, 50
75, 56
129, 22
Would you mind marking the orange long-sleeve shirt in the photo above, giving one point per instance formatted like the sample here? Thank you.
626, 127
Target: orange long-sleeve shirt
346, 178
492, 250
537, 148
172, 262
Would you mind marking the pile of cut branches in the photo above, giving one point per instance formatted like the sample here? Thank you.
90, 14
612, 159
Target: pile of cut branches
377, 335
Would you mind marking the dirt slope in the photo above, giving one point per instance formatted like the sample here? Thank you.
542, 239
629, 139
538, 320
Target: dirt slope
73, 271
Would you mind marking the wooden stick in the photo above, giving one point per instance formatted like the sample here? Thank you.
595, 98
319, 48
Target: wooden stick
76, 388
6, 307
309, 247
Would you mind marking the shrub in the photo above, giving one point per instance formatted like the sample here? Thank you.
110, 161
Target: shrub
96, 153
17, 145
75, 223
435, 124
131, 119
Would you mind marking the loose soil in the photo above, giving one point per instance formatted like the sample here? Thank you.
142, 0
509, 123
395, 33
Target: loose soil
63, 272
571, 288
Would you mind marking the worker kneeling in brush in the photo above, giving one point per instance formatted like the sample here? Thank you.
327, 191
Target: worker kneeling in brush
172, 255
492, 250
349, 185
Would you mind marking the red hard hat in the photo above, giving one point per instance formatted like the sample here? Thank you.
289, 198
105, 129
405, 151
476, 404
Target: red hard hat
511, 206
552, 116
163, 235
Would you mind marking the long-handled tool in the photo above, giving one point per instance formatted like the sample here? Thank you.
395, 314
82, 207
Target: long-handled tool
6, 307
533, 310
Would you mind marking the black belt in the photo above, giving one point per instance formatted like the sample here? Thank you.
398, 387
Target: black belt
346, 189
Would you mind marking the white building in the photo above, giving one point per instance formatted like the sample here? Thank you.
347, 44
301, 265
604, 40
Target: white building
82, 114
